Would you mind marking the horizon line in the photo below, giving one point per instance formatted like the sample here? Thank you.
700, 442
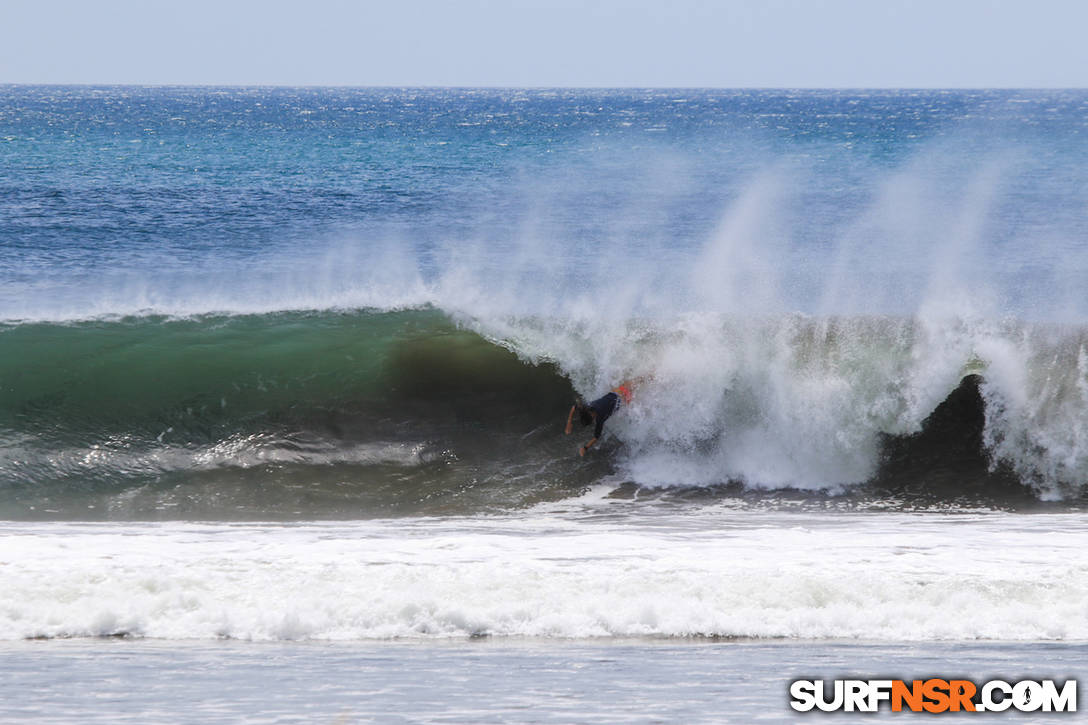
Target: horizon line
429, 86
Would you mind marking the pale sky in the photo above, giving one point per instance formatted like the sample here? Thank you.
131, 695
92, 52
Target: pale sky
729, 43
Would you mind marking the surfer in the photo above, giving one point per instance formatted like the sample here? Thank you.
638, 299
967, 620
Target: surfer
598, 411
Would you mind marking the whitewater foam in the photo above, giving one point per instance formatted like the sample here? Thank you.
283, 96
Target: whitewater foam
876, 577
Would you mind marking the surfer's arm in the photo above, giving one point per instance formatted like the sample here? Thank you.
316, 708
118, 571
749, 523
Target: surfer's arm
570, 419
596, 437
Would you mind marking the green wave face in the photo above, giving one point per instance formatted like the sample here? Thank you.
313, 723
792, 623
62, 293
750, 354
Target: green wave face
241, 409
112, 376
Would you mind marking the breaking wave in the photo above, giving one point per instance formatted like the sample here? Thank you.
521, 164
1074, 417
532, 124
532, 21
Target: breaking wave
367, 412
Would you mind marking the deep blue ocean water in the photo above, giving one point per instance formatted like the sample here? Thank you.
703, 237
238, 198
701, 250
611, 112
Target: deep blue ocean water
100, 181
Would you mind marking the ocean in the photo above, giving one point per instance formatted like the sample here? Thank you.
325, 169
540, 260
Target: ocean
284, 374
